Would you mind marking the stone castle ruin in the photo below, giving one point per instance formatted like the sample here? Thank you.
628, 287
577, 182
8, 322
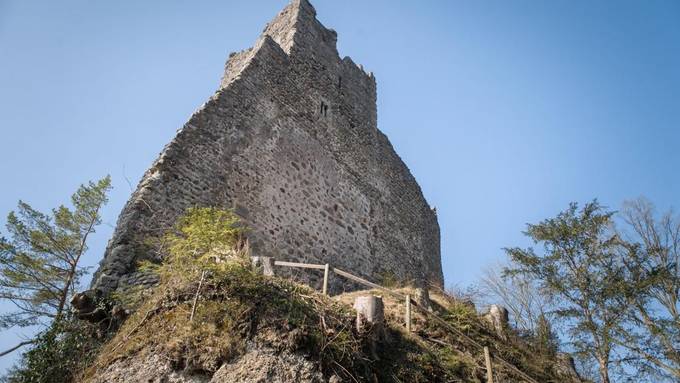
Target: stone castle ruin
290, 142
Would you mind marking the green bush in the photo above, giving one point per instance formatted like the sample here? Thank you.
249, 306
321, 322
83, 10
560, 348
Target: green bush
204, 240
58, 355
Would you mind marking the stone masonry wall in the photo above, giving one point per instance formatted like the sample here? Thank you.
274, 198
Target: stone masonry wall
290, 141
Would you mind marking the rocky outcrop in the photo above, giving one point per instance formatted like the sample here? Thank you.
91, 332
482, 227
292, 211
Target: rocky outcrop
256, 365
267, 365
290, 142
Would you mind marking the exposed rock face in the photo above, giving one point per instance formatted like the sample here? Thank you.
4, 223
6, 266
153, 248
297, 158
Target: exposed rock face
266, 365
257, 365
290, 141
152, 368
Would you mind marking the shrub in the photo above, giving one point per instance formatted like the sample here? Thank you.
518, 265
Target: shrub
203, 240
58, 355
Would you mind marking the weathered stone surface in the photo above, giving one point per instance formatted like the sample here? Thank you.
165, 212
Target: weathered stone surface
257, 365
84, 305
290, 141
152, 368
263, 365
498, 317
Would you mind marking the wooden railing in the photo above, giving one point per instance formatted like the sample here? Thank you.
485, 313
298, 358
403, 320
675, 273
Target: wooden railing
309, 266
407, 315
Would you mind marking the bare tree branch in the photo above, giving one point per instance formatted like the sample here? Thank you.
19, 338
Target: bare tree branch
21, 344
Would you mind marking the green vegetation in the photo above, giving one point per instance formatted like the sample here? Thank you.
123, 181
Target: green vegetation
611, 282
210, 302
578, 266
39, 265
58, 353
512, 347
211, 305
652, 262
39, 270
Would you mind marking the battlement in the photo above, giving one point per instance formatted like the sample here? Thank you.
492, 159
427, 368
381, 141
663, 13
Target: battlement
301, 36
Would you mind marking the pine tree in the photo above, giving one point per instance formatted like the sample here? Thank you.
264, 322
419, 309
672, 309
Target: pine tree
40, 262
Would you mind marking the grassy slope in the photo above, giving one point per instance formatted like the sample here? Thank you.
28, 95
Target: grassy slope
244, 306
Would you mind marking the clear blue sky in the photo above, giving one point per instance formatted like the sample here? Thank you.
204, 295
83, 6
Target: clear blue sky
504, 111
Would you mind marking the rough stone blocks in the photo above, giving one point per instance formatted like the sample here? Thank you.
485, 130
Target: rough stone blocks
290, 142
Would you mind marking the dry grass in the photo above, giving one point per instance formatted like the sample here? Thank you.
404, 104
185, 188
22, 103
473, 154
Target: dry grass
465, 357
245, 306
275, 312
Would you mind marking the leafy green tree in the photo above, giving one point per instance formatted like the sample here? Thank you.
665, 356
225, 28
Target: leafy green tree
579, 268
653, 262
40, 262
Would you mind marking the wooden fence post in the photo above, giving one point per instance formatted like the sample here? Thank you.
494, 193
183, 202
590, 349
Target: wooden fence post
408, 314
489, 371
431, 315
325, 278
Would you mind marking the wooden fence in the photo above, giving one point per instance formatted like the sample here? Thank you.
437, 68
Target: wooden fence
407, 315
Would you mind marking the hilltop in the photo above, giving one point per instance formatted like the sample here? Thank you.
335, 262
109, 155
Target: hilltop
254, 328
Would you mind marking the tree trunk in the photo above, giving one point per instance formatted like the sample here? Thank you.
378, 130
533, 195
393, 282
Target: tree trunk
24, 343
74, 266
370, 312
604, 371
370, 320
198, 292
64, 293
264, 264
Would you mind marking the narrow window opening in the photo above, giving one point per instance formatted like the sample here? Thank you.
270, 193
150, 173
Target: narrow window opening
323, 109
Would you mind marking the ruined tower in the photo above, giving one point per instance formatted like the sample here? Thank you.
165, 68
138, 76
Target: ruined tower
290, 142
